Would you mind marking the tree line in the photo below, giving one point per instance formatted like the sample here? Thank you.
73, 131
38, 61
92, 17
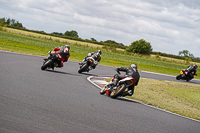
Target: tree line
139, 46
11, 22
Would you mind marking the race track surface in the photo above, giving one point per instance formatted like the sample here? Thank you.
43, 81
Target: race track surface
63, 101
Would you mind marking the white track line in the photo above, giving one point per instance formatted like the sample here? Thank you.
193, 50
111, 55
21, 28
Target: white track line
89, 79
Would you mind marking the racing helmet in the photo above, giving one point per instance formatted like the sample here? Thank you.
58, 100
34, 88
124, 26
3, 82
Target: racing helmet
134, 66
67, 46
99, 51
195, 66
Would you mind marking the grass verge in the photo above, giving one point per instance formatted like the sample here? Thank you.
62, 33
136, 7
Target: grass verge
176, 97
179, 98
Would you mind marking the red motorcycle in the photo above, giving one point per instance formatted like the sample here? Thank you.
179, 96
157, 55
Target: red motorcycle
119, 89
184, 75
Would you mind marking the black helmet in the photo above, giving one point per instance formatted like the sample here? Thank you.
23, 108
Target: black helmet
99, 51
134, 66
67, 46
195, 66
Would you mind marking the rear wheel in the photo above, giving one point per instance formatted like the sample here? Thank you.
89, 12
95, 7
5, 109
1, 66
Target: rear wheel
120, 89
188, 79
46, 64
178, 77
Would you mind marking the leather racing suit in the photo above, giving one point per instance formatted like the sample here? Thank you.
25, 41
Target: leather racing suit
63, 54
130, 72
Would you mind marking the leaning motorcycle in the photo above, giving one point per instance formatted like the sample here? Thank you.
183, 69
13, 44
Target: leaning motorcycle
119, 89
51, 61
185, 76
87, 65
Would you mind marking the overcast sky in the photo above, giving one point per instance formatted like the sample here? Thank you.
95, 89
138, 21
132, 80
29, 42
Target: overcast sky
170, 26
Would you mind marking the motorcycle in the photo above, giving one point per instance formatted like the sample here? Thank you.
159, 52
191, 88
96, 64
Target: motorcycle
119, 89
51, 61
185, 76
87, 65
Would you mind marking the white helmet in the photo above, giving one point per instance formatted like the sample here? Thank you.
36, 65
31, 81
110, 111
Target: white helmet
134, 66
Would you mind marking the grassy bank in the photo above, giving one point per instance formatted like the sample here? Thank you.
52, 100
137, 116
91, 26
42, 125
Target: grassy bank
180, 98
176, 97
53, 38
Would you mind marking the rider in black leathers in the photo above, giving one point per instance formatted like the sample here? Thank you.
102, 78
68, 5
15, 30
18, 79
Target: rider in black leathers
95, 55
191, 69
130, 72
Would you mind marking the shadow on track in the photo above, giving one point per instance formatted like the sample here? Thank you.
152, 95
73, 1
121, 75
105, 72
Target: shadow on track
126, 99
191, 81
89, 74
61, 72
71, 73
123, 99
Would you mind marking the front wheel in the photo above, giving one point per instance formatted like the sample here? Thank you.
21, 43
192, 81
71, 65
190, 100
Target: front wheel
83, 68
178, 77
103, 91
120, 89
46, 64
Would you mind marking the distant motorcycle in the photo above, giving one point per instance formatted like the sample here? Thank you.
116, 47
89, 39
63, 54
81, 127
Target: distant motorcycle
51, 61
119, 89
185, 76
87, 65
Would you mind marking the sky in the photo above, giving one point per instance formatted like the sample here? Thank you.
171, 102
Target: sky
170, 26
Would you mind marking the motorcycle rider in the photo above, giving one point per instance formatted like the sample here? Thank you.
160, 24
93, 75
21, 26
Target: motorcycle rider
191, 69
130, 72
95, 55
62, 53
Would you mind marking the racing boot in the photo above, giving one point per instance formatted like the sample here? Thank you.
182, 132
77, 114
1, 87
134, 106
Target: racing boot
128, 93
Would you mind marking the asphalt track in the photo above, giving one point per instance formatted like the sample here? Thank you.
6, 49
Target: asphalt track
63, 101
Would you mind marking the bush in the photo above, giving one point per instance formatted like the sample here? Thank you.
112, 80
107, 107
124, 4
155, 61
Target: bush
140, 47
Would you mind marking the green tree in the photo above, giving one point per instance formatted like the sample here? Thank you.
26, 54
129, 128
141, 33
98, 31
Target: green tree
8, 21
72, 33
141, 47
185, 53
113, 42
11, 22
92, 39
1, 24
57, 33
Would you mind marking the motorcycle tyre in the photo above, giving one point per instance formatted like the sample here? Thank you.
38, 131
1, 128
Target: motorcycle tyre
188, 80
103, 91
83, 68
119, 92
178, 77
46, 64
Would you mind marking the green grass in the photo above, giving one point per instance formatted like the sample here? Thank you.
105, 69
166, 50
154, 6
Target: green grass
27, 33
37, 46
180, 98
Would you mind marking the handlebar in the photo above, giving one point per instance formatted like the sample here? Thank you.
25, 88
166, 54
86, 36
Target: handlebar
117, 71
